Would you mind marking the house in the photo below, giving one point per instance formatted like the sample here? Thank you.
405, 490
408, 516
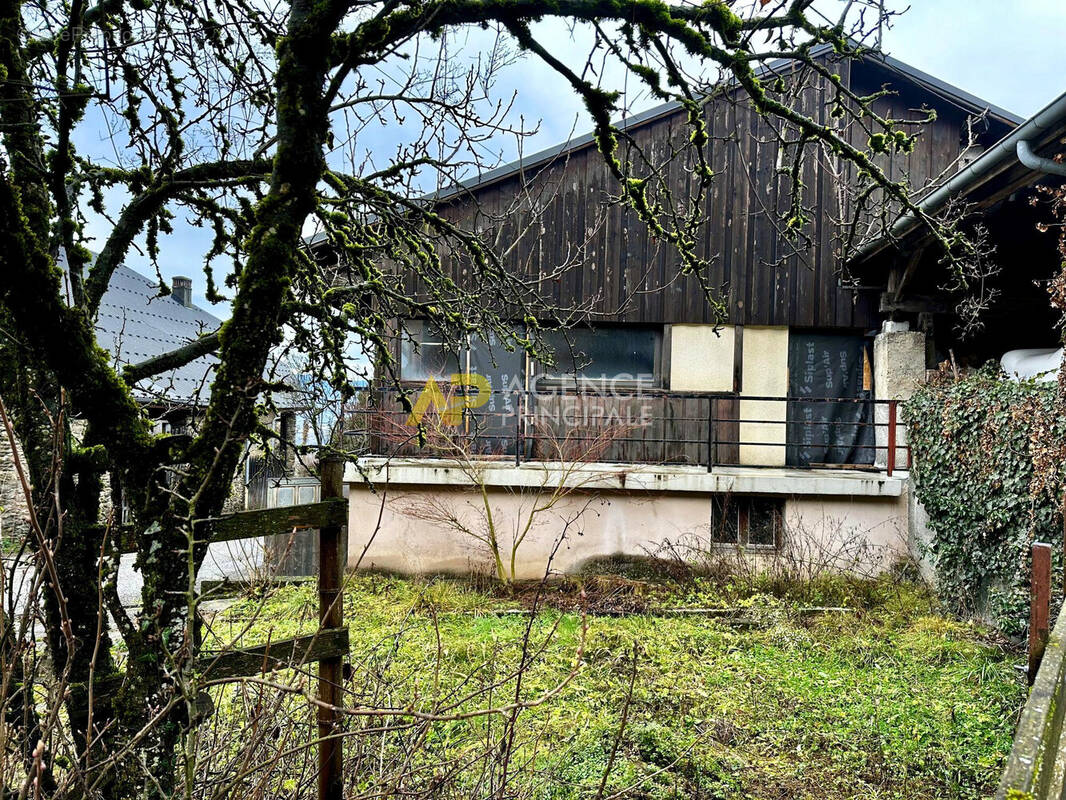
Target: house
657, 431
135, 323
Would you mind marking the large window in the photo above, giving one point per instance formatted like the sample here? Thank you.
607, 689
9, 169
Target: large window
425, 353
615, 353
605, 353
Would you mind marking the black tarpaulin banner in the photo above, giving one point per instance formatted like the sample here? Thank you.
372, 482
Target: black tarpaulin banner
827, 374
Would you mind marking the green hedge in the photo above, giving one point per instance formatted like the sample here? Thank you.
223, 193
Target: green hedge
988, 467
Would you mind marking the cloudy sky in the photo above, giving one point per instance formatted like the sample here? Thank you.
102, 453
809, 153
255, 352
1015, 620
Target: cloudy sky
1009, 52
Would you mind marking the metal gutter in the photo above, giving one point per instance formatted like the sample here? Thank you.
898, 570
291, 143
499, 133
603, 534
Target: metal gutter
1003, 152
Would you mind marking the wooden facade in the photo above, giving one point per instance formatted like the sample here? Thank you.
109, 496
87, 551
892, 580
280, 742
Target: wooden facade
555, 222
560, 213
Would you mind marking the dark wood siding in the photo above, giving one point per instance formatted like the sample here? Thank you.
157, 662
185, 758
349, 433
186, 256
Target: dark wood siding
563, 216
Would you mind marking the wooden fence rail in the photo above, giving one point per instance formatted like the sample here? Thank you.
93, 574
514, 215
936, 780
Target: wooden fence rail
328, 646
330, 512
1035, 764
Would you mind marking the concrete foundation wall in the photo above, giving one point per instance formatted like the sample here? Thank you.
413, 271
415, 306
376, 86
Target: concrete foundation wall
864, 535
419, 529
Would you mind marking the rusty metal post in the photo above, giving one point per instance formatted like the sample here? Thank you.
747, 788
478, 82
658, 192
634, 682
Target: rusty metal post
1039, 605
711, 438
330, 615
891, 437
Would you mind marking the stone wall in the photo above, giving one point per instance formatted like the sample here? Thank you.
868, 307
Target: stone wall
14, 521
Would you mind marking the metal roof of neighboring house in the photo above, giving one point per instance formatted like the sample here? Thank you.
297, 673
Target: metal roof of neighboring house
135, 323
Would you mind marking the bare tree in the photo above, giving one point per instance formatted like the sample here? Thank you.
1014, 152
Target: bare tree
250, 119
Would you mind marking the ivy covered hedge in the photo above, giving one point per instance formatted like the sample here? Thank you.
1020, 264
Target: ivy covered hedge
988, 468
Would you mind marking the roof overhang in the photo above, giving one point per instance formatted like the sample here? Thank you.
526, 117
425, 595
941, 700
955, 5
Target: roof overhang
995, 175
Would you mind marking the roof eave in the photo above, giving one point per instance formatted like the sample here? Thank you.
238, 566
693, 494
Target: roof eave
1002, 155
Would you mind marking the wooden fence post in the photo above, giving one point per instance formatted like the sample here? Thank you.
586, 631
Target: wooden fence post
331, 615
1039, 605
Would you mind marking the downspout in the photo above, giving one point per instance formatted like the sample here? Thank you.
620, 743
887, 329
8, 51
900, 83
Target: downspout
1038, 163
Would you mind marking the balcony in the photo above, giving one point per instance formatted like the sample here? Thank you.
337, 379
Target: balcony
673, 433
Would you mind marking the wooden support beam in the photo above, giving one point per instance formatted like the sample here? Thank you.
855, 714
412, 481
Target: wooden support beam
899, 278
913, 305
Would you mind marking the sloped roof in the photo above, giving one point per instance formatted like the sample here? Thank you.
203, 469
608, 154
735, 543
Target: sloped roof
135, 323
987, 180
960, 97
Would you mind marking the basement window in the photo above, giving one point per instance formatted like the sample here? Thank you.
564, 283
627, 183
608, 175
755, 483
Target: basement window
753, 522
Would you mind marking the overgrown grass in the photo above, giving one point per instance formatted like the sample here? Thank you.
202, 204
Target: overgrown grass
888, 700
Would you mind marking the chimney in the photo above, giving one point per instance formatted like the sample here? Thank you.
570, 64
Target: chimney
182, 290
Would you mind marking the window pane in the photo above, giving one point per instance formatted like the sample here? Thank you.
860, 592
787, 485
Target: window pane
763, 519
284, 496
724, 520
493, 422
489, 358
605, 353
307, 494
424, 354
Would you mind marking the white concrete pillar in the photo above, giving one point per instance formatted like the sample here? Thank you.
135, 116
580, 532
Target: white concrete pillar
899, 369
765, 369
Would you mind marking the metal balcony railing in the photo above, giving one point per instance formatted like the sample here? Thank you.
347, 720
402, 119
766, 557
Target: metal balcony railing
634, 425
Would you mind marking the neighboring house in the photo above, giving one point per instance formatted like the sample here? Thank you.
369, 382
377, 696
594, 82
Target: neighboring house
781, 421
135, 323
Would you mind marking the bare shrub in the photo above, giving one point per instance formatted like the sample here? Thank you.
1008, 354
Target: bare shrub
806, 556
478, 511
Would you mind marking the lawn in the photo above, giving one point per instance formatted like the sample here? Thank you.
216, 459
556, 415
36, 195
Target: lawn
887, 699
